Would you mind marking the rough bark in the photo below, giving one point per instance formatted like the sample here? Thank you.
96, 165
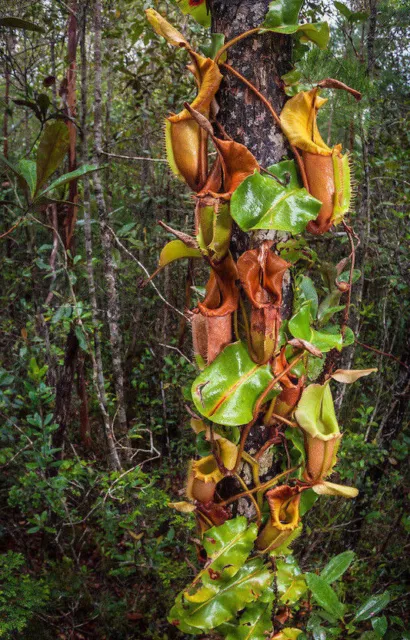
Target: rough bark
71, 108
98, 371
262, 60
113, 309
64, 389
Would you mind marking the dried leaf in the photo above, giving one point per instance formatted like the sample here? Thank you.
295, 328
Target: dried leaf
348, 376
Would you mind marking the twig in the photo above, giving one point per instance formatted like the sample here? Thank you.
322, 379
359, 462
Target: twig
122, 157
382, 353
350, 233
6, 233
169, 346
145, 271
261, 487
258, 404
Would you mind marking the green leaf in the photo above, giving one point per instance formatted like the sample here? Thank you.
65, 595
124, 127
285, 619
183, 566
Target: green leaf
299, 326
79, 332
67, 177
282, 17
305, 291
211, 48
51, 151
65, 311
307, 500
227, 547
380, 625
287, 173
290, 582
349, 337
28, 170
372, 606
19, 23
260, 202
228, 597
255, 623
282, 12
11, 166
343, 9
176, 250
324, 595
336, 567
199, 12
345, 276
226, 391
317, 32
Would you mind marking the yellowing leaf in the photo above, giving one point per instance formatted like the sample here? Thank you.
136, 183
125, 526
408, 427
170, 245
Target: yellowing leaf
183, 506
176, 250
166, 30
331, 489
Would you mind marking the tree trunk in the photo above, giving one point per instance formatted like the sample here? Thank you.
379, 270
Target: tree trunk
64, 389
365, 208
98, 371
262, 60
113, 309
71, 106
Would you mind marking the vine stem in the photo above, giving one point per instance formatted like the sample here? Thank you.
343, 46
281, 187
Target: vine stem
3, 235
275, 116
230, 43
261, 487
258, 405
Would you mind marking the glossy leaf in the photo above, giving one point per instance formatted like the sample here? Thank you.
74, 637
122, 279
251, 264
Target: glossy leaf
222, 603
282, 12
300, 327
227, 547
19, 23
290, 582
282, 17
27, 169
260, 202
255, 622
226, 391
324, 595
305, 291
287, 173
51, 151
176, 250
289, 633
337, 566
85, 170
317, 32
198, 10
380, 625
372, 606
